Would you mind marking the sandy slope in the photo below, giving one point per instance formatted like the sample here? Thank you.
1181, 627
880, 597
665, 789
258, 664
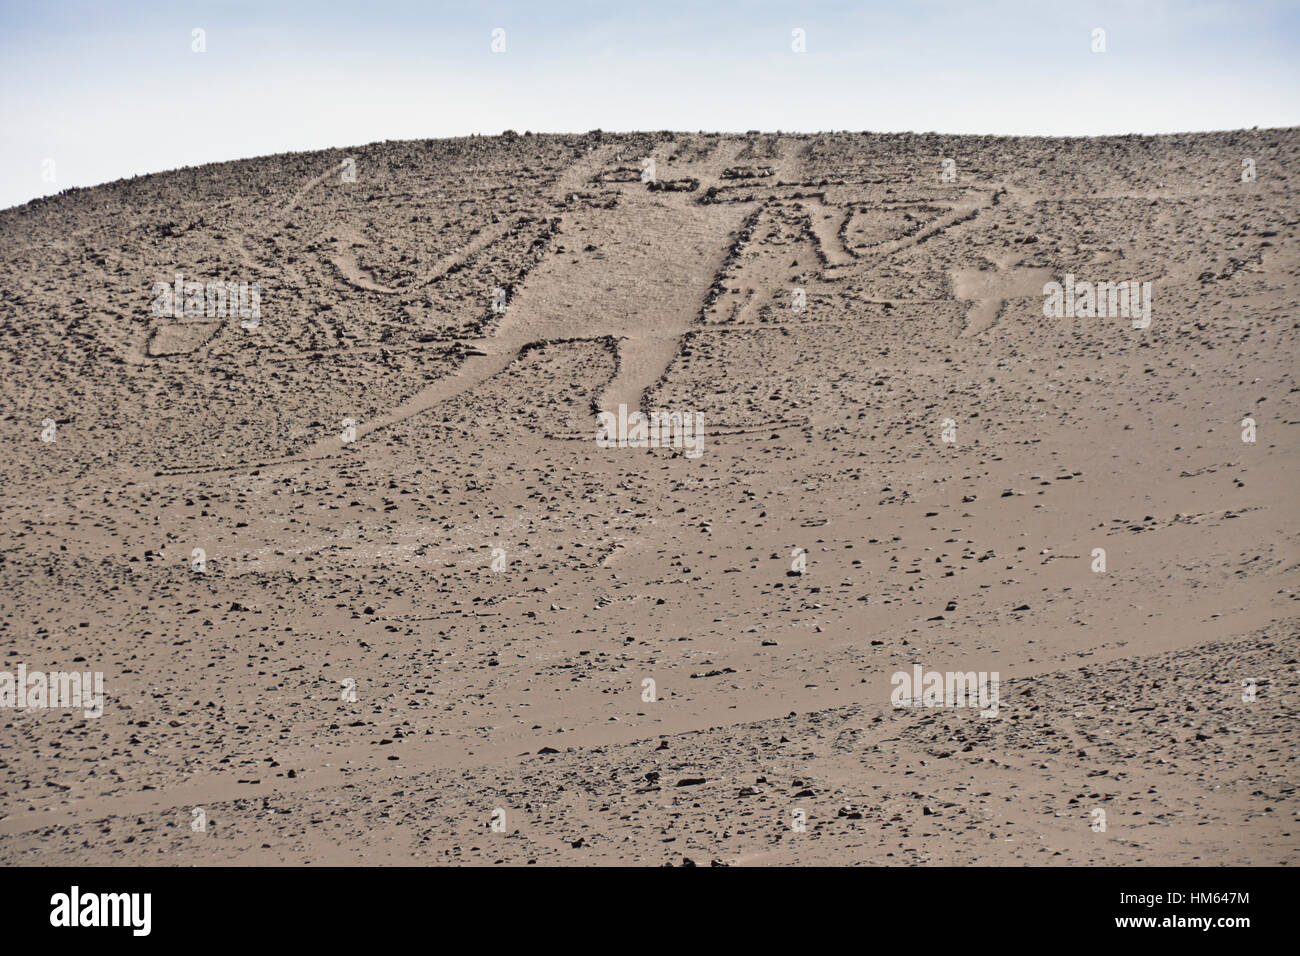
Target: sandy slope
371, 561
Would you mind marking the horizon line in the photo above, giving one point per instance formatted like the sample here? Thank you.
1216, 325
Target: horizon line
507, 133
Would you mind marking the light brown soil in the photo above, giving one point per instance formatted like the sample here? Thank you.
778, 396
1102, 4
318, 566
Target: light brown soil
370, 561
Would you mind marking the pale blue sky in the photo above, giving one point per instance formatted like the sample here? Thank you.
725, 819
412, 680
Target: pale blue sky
111, 89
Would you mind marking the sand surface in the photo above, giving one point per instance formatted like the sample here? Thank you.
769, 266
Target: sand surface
369, 564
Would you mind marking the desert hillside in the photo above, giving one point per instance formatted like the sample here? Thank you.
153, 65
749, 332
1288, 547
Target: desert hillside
364, 586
